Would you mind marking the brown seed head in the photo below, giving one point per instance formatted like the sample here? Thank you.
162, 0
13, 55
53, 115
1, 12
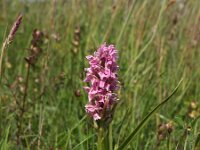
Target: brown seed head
36, 50
77, 93
161, 128
37, 34
77, 30
75, 43
14, 28
193, 105
31, 59
169, 127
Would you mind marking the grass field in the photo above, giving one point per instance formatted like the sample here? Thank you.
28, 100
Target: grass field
42, 102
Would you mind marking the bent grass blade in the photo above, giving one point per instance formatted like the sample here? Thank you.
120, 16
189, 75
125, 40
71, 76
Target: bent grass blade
145, 120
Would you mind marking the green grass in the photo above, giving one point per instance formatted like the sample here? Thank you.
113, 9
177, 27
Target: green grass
158, 46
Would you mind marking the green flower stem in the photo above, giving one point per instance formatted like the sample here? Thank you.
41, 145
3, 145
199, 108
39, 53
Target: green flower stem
102, 139
110, 137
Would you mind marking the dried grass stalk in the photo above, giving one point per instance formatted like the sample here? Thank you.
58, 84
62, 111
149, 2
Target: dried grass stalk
10, 38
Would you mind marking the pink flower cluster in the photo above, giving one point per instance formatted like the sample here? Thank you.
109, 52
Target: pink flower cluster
102, 76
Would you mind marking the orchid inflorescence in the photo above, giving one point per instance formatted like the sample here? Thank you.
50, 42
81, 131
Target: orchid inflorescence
103, 79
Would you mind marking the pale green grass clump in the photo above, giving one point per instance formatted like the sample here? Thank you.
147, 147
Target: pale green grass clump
158, 43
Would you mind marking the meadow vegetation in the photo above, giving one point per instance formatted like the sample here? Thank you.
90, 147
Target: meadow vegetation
42, 100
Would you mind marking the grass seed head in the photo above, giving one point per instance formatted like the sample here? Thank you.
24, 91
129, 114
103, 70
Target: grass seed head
14, 28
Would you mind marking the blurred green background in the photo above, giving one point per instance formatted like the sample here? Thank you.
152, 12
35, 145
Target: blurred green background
158, 43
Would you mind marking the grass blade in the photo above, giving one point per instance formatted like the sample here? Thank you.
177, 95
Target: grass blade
83, 141
144, 121
197, 142
4, 141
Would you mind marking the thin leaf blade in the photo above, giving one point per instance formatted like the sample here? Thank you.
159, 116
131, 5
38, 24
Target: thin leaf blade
145, 120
